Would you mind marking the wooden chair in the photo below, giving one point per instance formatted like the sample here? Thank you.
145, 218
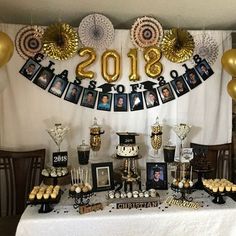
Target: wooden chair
19, 172
219, 155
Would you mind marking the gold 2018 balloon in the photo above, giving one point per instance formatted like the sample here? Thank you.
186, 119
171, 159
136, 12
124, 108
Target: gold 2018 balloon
91, 57
6, 48
110, 77
153, 67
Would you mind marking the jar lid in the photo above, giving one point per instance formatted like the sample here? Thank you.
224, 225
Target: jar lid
83, 147
95, 124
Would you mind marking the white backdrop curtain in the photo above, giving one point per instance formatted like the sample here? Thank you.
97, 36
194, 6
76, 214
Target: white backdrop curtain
27, 110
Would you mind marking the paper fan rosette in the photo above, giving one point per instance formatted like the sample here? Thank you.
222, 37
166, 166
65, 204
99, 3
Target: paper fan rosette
146, 32
177, 45
60, 41
96, 31
28, 41
206, 47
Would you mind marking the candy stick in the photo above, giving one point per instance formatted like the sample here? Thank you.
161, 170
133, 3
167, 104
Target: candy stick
86, 176
77, 174
191, 173
71, 175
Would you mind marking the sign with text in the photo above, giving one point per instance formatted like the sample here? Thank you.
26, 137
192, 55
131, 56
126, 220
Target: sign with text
59, 159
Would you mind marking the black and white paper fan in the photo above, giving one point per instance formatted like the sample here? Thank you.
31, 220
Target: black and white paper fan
206, 47
96, 31
28, 41
145, 32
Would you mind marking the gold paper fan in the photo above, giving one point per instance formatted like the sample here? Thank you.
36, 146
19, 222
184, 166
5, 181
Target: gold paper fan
60, 41
177, 45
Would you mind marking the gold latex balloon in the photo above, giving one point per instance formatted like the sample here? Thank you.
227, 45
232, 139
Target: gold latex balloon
6, 48
91, 57
177, 45
228, 61
106, 56
231, 88
153, 67
60, 41
133, 54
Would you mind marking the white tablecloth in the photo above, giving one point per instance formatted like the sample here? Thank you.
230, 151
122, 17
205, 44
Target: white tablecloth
210, 219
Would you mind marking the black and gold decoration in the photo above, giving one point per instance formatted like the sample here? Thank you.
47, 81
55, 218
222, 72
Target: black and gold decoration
28, 41
146, 32
177, 45
60, 41
144, 92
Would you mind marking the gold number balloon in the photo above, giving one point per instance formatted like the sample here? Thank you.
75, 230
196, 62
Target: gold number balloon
134, 76
6, 48
91, 57
228, 62
153, 67
106, 56
231, 88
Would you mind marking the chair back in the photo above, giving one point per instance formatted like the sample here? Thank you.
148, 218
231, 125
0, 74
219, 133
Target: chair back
19, 172
220, 157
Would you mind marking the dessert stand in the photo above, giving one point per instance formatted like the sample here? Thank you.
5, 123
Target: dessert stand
182, 192
200, 173
129, 173
45, 203
81, 198
218, 196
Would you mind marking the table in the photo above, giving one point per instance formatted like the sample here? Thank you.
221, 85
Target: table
210, 219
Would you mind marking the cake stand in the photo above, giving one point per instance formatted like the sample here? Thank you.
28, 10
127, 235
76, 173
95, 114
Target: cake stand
129, 173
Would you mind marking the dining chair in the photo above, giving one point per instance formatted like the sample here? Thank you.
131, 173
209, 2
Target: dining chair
220, 157
19, 172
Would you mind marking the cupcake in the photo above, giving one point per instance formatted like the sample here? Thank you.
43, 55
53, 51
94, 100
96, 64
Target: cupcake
228, 188
234, 188
31, 197
221, 188
39, 196
215, 189
45, 196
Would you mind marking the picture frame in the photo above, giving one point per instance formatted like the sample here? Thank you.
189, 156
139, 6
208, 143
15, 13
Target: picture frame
30, 68
151, 98
136, 101
156, 175
102, 175
58, 86
44, 77
89, 98
166, 93
192, 78
73, 93
104, 101
179, 85
120, 102
204, 69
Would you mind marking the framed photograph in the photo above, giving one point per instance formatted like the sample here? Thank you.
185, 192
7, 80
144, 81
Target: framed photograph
151, 98
43, 78
120, 102
102, 174
58, 86
204, 69
192, 78
166, 93
30, 69
73, 93
104, 101
136, 101
180, 86
89, 98
156, 175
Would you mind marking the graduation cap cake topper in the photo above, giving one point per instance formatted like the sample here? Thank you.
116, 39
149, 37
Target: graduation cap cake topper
127, 137
148, 85
106, 88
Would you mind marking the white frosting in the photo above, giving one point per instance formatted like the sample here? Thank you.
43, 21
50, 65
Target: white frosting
127, 150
